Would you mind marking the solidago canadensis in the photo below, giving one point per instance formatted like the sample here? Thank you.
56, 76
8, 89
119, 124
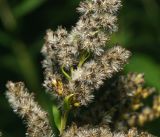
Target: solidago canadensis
76, 64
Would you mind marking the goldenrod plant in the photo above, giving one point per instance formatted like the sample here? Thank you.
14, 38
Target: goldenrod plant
77, 63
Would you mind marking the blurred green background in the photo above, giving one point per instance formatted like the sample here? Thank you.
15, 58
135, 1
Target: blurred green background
22, 28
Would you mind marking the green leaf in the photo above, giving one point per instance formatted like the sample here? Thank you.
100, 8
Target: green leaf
144, 64
26, 6
56, 116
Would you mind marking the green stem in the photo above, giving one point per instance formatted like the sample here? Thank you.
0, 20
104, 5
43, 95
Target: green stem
64, 121
65, 73
67, 107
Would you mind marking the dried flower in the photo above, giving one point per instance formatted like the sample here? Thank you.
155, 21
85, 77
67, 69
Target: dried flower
87, 131
121, 105
147, 114
97, 22
101, 131
78, 60
23, 104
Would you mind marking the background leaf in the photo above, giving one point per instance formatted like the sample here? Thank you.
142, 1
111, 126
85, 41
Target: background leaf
144, 64
26, 6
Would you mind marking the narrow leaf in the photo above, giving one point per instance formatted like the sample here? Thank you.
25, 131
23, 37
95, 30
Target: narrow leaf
56, 116
26, 6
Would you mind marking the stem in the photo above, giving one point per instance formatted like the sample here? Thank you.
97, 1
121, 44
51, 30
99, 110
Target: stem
67, 107
64, 121
65, 73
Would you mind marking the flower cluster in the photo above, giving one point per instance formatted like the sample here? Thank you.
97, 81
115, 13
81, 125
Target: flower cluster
23, 103
101, 131
121, 104
76, 64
